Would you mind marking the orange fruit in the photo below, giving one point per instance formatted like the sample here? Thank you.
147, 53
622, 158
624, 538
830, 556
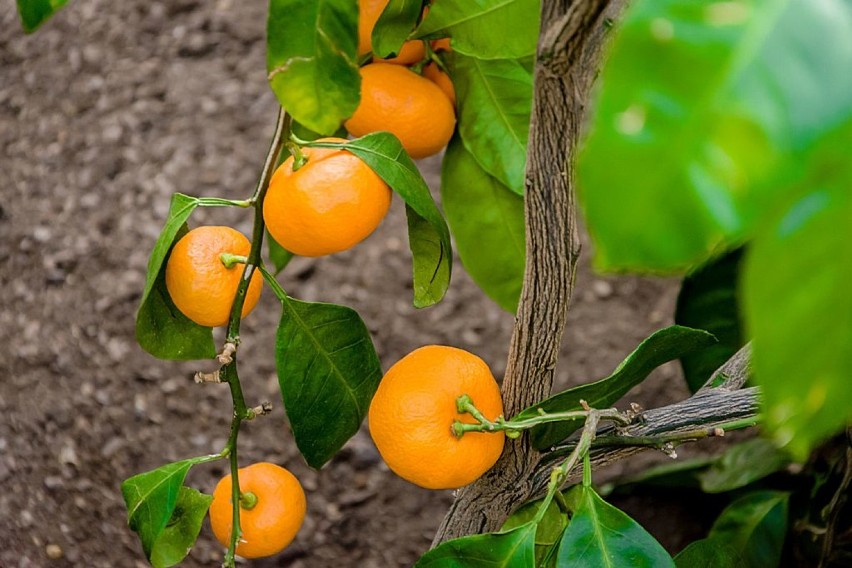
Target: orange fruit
197, 280
330, 204
272, 523
368, 14
412, 414
434, 73
398, 100
442, 44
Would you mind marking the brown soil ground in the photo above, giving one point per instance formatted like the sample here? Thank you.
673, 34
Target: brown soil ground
105, 112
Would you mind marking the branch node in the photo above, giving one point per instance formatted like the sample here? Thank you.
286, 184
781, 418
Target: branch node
585, 405
669, 449
720, 432
226, 357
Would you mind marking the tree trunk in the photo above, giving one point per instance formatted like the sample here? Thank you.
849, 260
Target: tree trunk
568, 55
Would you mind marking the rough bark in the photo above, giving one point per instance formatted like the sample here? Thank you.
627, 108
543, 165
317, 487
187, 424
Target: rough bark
568, 54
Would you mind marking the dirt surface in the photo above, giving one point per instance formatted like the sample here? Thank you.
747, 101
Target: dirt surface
105, 112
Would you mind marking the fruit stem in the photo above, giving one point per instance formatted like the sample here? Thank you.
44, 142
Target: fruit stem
299, 158
228, 372
230, 260
248, 500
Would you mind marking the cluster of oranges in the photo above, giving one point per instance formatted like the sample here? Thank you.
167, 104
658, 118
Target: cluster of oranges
328, 203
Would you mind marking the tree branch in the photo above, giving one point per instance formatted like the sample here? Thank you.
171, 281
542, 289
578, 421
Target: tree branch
568, 54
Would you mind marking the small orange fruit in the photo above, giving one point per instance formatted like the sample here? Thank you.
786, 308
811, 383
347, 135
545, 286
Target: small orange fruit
198, 282
368, 14
330, 204
434, 73
274, 517
442, 44
412, 414
398, 100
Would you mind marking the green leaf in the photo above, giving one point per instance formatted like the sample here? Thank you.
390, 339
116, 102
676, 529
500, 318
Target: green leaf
495, 102
755, 525
709, 553
719, 97
395, 24
182, 530
680, 474
34, 13
328, 371
312, 62
743, 464
487, 29
161, 329
708, 300
151, 498
510, 549
487, 221
278, 255
799, 310
428, 234
601, 535
661, 347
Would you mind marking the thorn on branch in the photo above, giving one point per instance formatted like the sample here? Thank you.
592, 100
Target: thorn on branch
264, 408
585, 405
227, 355
201, 377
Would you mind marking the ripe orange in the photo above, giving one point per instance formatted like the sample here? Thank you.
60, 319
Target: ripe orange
368, 14
330, 204
197, 280
398, 100
272, 523
432, 72
412, 414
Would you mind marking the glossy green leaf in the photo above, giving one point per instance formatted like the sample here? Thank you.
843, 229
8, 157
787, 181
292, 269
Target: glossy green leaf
428, 234
708, 300
719, 97
799, 310
755, 525
601, 535
151, 498
548, 531
182, 530
487, 221
709, 553
743, 464
278, 255
495, 102
661, 347
311, 60
395, 24
328, 371
34, 13
510, 549
487, 29
161, 329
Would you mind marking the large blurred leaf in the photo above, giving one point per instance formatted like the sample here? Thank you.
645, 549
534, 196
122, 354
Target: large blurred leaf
754, 525
328, 371
428, 234
708, 300
182, 530
742, 464
487, 29
495, 102
661, 347
701, 104
601, 535
799, 306
709, 553
312, 61
511, 549
35, 12
488, 225
151, 498
394, 25
161, 329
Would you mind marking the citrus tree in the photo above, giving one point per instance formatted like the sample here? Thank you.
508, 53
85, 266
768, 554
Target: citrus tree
715, 145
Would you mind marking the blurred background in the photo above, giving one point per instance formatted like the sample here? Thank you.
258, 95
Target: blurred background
105, 112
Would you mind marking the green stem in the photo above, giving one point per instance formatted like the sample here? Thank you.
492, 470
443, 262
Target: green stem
219, 202
228, 372
513, 427
231, 260
299, 158
660, 440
